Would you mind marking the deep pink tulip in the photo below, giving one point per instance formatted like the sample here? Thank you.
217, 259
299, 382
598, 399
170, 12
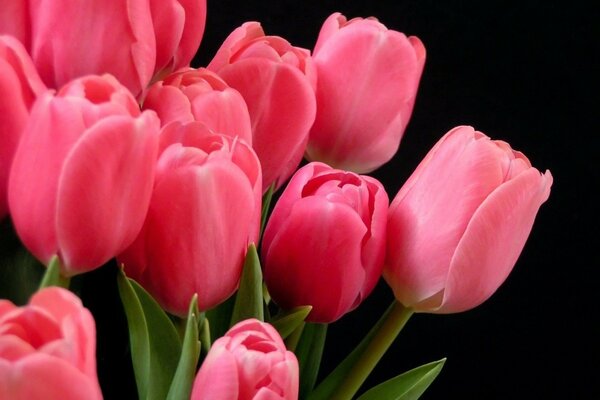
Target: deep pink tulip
130, 39
19, 86
458, 225
277, 81
204, 212
82, 175
367, 84
249, 363
324, 244
48, 349
200, 95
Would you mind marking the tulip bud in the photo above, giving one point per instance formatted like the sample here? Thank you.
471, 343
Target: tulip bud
83, 172
204, 212
458, 225
249, 362
277, 81
324, 245
48, 349
367, 84
19, 85
200, 95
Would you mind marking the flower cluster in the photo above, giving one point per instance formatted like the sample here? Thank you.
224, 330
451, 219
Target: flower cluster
115, 148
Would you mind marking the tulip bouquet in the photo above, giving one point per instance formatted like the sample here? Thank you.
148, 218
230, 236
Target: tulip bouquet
230, 258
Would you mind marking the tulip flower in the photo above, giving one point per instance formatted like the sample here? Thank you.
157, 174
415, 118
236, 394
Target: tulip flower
249, 362
82, 175
277, 81
132, 40
324, 244
204, 212
48, 349
200, 95
458, 225
367, 82
19, 85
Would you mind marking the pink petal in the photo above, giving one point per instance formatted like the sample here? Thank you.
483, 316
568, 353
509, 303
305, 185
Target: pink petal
15, 21
105, 189
217, 378
282, 109
493, 240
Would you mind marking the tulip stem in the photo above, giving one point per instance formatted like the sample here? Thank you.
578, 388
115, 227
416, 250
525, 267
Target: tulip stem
53, 277
381, 341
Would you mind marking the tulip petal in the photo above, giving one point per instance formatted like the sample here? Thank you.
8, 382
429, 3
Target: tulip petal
218, 376
493, 240
44, 377
105, 190
319, 258
282, 109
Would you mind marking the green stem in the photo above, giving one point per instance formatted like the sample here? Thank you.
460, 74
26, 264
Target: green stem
53, 277
382, 340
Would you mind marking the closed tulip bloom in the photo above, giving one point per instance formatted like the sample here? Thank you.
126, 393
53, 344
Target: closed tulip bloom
367, 82
82, 175
130, 39
19, 85
458, 225
324, 244
204, 212
277, 81
200, 95
48, 349
249, 363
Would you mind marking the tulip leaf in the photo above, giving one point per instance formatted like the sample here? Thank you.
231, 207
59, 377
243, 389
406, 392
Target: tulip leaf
407, 386
309, 352
220, 317
288, 321
53, 277
153, 340
328, 386
266, 204
249, 298
181, 386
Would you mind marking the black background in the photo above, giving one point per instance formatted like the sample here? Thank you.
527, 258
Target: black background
524, 72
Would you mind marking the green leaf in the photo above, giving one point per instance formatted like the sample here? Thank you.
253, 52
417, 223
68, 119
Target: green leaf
249, 298
266, 203
52, 276
309, 352
288, 321
181, 386
407, 386
328, 386
153, 340
220, 317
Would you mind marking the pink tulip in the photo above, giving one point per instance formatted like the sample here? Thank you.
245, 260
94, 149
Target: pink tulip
130, 39
200, 95
367, 84
83, 172
458, 225
19, 85
204, 212
48, 349
178, 27
277, 81
249, 363
324, 244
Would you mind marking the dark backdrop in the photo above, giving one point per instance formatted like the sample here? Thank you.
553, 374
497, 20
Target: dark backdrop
524, 72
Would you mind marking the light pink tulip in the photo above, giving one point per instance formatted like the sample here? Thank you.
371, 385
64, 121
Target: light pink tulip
19, 86
130, 39
48, 349
83, 172
277, 81
324, 244
249, 363
204, 212
200, 95
458, 225
367, 83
